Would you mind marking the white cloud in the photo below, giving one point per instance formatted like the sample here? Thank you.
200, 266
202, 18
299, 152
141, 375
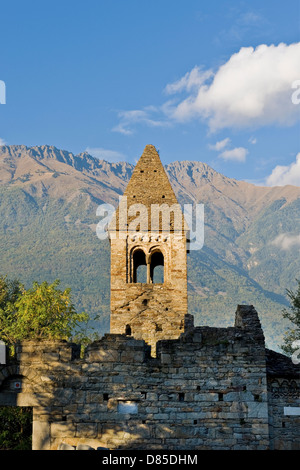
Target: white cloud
191, 80
148, 116
242, 23
253, 140
221, 144
105, 154
254, 87
237, 154
2, 142
286, 241
127, 118
283, 175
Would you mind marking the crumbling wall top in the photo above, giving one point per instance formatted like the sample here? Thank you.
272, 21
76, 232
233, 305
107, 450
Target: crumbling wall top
246, 318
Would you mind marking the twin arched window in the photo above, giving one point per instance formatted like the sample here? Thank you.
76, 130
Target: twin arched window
157, 268
148, 270
139, 267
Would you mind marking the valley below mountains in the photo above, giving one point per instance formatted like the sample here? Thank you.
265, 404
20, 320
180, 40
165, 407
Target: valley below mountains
48, 202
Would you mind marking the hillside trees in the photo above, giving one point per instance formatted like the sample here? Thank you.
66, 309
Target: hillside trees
292, 336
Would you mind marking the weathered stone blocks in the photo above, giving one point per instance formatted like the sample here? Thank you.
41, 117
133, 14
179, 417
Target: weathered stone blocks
193, 394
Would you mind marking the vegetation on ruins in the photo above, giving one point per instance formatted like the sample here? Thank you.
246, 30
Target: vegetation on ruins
41, 312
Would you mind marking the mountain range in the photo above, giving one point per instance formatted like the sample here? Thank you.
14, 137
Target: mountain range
251, 252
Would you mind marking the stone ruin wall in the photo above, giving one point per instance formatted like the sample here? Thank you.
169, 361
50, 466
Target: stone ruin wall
205, 390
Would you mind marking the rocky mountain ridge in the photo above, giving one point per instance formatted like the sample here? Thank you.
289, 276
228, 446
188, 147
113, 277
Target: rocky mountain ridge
48, 218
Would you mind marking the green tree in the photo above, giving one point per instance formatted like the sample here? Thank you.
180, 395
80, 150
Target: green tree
293, 314
15, 428
42, 312
10, 291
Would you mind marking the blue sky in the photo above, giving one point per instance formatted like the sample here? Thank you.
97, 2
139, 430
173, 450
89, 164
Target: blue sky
205, 81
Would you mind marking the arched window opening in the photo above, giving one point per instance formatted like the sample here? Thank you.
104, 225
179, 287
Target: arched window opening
128, 330
139, 267
157, 268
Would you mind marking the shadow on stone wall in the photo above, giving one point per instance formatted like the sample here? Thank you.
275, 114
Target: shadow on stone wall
205, 390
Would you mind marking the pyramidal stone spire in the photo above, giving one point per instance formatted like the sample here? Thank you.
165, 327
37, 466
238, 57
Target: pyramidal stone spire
148, 257
149, 183
150, 195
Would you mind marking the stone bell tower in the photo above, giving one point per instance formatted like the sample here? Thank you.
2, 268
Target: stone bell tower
148, 238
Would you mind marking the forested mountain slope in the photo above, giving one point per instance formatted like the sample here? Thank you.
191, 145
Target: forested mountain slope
48, 202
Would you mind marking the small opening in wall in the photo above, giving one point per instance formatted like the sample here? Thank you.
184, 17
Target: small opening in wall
283, 424
155, 171
220, 396
145, 302
127, 407
163, 196
128, 330
195, 421
257, 398
198, 387
105, 396
142, 171
181, 396
64, 418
